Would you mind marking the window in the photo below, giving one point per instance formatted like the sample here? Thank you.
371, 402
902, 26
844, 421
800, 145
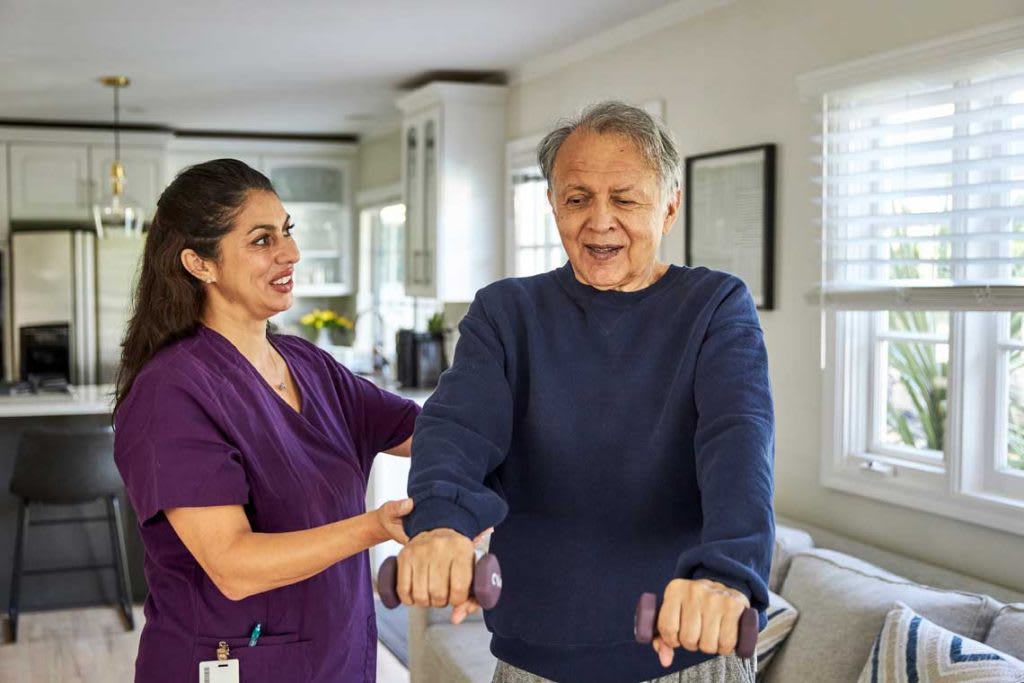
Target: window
922, 210
535, 246
382, 238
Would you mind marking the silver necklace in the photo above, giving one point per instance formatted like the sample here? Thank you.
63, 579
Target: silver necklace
281, 385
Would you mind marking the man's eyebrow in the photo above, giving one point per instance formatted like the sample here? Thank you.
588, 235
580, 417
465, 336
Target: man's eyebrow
268, 226
624, 188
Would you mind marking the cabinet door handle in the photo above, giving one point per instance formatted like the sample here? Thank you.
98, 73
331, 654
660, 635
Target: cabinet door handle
414, 267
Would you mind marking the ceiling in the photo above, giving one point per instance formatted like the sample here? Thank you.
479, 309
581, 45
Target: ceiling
307, 66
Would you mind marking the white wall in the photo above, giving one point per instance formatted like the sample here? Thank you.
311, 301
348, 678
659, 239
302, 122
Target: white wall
728, 79
380, 161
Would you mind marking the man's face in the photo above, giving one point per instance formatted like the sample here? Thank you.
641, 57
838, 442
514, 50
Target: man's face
609, 209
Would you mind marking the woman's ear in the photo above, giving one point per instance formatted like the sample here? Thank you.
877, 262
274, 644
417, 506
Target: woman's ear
200, 268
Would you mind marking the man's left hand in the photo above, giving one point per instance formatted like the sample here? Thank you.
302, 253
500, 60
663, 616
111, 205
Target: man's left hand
701, 616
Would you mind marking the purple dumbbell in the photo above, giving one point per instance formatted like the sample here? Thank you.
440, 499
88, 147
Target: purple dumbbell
646, 620
486, 586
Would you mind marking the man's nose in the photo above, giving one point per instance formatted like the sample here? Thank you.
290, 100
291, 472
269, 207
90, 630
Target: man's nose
602, 217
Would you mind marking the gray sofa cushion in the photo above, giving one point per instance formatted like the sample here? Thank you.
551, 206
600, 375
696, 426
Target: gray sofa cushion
462, 654
788, 542
1007, 632
843, 602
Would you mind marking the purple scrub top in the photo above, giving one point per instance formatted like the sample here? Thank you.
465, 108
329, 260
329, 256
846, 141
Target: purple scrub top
201, 427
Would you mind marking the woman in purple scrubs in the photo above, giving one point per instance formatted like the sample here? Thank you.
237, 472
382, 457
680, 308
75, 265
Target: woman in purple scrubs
246, 454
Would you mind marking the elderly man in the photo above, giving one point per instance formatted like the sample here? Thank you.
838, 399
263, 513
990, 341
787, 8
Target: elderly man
613, 420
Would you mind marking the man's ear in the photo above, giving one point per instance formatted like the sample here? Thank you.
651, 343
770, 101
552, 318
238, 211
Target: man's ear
673, 212
197, 266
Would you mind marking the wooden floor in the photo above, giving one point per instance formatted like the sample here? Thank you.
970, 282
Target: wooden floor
90, 645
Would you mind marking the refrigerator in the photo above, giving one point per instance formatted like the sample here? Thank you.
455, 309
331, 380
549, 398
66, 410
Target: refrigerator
63, 273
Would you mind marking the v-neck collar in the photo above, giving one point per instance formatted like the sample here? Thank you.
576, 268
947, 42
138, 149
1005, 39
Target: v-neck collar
240, 359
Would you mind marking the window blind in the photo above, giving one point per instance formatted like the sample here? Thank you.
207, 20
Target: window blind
922, 190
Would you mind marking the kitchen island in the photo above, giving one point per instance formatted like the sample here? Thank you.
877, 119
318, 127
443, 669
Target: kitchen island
84, 407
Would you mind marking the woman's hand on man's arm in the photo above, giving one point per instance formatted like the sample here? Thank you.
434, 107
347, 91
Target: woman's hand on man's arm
242, 563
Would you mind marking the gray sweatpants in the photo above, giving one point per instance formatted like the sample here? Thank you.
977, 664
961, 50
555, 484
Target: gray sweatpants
730, 669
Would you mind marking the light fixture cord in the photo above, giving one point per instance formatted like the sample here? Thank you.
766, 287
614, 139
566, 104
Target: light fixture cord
117, 121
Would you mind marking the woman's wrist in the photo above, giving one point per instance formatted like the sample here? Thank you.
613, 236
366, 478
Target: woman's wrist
378, 532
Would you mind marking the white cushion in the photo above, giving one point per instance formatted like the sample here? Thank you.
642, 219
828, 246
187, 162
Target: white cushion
911, 648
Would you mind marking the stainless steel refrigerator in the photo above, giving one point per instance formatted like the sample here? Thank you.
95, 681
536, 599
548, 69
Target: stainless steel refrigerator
63, 273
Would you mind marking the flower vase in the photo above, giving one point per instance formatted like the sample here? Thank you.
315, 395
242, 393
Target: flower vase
323, 338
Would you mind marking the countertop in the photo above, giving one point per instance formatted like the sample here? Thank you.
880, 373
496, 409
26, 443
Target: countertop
91, 399
98, 399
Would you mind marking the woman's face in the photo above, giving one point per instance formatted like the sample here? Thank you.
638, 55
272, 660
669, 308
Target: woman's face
609, 209
253, 273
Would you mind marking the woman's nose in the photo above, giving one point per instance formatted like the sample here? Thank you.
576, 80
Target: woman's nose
289, 253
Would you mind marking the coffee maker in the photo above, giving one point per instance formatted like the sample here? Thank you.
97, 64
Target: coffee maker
420, 358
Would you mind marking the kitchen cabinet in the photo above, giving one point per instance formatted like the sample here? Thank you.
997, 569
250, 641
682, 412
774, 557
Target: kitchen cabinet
453, 142
49, 181
62, 181
317, 193
143, 171
178, 161
5, 215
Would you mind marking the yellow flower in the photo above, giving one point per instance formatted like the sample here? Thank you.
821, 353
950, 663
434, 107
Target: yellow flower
319, 319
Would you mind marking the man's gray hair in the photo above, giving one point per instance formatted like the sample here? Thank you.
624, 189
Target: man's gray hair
653, 139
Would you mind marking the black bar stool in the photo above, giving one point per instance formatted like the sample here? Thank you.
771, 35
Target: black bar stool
68, 467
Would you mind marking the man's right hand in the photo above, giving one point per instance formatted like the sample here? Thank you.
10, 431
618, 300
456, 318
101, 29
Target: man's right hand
435, 569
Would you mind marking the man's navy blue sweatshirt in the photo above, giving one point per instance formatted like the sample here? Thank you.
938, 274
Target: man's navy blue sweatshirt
616, 440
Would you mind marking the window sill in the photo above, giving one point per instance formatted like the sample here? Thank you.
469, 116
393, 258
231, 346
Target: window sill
995, 512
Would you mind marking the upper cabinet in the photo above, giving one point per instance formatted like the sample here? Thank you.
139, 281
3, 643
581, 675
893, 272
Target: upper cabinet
143, 172
61, 181
180, 159
4, 207
317, 194
50, 181
453, 142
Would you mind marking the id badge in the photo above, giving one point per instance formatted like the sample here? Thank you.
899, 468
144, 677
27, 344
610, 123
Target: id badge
219, 671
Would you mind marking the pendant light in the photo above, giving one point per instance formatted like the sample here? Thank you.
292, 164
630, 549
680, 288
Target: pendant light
116, 211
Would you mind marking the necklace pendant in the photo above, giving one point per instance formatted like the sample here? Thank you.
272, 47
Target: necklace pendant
280, 387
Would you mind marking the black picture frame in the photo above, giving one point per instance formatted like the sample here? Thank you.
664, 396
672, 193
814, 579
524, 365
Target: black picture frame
730, 216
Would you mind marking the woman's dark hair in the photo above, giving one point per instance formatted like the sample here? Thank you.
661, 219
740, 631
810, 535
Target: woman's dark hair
194, 212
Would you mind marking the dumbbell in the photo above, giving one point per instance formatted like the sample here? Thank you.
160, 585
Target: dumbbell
486, 586
646, 620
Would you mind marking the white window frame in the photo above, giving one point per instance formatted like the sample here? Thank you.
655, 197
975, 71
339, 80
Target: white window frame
520, 157
963, 486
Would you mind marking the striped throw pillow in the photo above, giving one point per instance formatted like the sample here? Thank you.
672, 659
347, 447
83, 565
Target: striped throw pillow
911, 649
781, 620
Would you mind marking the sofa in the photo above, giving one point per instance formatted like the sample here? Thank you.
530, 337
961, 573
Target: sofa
841, 588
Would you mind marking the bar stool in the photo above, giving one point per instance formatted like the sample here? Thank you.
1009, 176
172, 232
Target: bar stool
68, 467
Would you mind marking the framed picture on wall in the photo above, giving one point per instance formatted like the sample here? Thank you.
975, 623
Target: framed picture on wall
730, 216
